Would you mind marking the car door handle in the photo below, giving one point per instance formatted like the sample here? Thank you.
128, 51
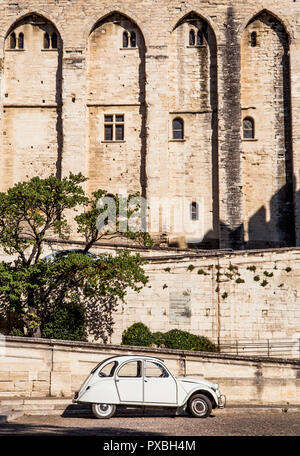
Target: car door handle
117, 381
145, 381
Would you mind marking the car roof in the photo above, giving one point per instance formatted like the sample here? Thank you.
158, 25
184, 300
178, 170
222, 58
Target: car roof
131, 357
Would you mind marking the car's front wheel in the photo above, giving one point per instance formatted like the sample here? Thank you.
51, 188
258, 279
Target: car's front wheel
200, 406
103, 411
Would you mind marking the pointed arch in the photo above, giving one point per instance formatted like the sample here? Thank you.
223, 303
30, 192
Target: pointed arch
130, 17
251, 17
205, 17
46, 17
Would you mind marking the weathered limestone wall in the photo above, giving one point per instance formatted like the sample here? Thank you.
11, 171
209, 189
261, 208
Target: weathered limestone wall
193, 99
39, 368
171, 78
116, 86
249, 296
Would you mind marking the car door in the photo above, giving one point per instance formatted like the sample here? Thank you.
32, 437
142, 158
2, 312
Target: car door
129, 382
159, 385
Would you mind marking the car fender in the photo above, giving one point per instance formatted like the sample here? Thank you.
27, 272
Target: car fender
102, 392
201, 389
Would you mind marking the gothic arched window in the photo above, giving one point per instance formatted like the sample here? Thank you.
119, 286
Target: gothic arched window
248, 128
54, 40
46, 41
133, 39
21, 40
253, 39
194, 211
125, 39
13, 41
199, 38
192, 38
178, 130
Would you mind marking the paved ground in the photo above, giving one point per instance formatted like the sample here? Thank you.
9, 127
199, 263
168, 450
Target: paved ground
227, 422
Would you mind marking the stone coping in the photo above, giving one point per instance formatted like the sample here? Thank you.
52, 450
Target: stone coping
159, 352
181, 252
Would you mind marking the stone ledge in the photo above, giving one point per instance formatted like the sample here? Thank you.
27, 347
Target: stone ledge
147, 350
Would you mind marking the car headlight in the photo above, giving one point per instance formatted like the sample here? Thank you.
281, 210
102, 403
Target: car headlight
215, 387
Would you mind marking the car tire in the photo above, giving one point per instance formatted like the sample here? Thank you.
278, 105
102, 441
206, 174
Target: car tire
103, 411
200, 406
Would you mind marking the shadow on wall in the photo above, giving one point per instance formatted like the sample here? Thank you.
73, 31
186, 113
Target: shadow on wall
263, 231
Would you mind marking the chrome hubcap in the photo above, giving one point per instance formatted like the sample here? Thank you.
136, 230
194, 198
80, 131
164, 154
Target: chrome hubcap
199, 407
103, 409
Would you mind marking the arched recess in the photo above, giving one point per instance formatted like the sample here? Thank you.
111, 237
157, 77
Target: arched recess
116, 106
193, 96
32, 102
267, 158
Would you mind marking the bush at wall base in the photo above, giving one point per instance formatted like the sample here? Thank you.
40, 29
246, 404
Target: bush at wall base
139, 334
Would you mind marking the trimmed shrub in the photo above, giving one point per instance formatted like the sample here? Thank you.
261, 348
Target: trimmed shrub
65, 323
140, 335
183, 340
137, 334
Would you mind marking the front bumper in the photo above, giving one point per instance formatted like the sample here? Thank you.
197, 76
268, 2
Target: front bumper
222, 401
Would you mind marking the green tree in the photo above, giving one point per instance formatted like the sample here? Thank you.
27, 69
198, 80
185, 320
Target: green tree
34, 288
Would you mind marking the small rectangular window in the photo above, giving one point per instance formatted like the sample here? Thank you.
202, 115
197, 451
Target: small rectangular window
114, 127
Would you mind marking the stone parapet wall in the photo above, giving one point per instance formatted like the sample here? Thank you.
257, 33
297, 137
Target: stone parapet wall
225, 297
41, 368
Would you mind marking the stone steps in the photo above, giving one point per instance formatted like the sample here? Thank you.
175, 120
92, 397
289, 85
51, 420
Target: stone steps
43, 406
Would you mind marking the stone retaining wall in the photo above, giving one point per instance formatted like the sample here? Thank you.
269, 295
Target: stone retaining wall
41, 368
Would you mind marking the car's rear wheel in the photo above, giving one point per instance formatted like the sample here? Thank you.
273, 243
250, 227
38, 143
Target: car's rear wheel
200, 406
103, 411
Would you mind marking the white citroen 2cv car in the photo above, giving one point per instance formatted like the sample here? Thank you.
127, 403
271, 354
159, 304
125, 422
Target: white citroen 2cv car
144, 381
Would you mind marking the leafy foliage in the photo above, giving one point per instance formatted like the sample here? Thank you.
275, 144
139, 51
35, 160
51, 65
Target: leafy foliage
65, 323
42, 292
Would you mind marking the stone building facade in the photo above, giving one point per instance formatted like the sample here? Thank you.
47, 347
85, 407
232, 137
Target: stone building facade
177, 99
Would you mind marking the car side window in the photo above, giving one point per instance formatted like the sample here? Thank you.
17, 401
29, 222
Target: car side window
132, 369
153, 369
108, 370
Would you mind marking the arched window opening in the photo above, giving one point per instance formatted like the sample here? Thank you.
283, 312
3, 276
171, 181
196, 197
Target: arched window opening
46, 41
125, 40
21, 40
133, 39
194, 211
253, 39
178, 132
192, 38
13, 41
248, 128
54, 40
199, 38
